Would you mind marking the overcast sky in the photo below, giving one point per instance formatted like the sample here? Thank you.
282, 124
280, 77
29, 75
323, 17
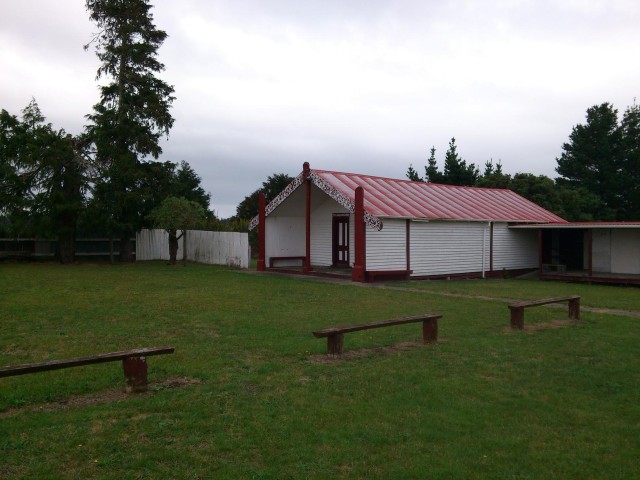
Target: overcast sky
350, 85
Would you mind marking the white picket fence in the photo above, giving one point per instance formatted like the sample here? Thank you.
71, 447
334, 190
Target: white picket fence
215, 248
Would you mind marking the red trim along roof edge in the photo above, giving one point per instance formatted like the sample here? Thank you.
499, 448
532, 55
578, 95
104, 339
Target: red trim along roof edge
580, 225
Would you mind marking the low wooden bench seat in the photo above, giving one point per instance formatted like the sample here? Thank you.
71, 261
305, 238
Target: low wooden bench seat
272, 260
134, 364
335, 335
517, 309
388, 274
554, 267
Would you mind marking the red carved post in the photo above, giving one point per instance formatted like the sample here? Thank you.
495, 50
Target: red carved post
491, 247
359, 272
540, 237
135, 374
262, 227
306, 172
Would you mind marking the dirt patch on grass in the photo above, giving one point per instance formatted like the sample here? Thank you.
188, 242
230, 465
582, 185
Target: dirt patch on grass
106, 396
365, 352
550, 325
546, 326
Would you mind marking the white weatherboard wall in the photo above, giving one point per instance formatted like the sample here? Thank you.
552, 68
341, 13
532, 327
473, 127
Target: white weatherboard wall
443, 248
614, 250
625, 251
514, 249
285, 237
601, 251
215, 248
387, 248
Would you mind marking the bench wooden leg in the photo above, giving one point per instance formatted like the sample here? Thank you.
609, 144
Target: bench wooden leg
135, 374
335, 344
430, 330
574, 309
517, 318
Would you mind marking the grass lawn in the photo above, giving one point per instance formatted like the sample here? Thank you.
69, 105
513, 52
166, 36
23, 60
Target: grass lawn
258, 398
602, 296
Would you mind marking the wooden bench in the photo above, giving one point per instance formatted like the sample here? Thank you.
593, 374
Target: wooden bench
388, 274
134, 364
335, 335
272, 260
517, 309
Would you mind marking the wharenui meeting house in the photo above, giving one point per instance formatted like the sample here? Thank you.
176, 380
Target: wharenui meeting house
334, 223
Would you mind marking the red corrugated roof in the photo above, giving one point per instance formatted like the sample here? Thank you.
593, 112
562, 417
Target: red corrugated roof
388, 197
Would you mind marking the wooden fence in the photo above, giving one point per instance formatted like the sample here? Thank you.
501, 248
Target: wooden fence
216, 248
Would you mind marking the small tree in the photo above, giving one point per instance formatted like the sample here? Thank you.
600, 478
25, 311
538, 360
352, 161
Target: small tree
173, 214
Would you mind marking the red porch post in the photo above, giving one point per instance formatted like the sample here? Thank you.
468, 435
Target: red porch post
491, 246
261, 232
359, 272
407, 246
539, 251
307, 261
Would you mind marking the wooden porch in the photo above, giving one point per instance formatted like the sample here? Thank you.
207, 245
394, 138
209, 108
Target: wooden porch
594, 277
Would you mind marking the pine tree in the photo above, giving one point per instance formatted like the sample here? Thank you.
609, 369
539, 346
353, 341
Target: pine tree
248, 208
432, 174
592, 159
630, 153
456, 170
493, 176
413, 175
133, 112
43, 178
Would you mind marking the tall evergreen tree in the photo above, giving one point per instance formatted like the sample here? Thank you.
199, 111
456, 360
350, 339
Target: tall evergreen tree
432, 174
274, 184
186, 184
456, 170
133, 112
43, 178
413, 175
630, 156
592, 160
493, 176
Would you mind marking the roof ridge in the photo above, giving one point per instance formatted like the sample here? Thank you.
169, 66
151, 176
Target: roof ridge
406, 180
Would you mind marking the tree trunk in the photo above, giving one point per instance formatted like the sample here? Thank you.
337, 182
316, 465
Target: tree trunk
184, 248
111, 258
173, 247
126, 249
66, 246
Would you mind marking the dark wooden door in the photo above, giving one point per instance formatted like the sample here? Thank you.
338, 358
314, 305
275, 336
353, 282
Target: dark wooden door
341, 240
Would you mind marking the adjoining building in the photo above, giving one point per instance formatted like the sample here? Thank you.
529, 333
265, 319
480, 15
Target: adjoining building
601, 252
